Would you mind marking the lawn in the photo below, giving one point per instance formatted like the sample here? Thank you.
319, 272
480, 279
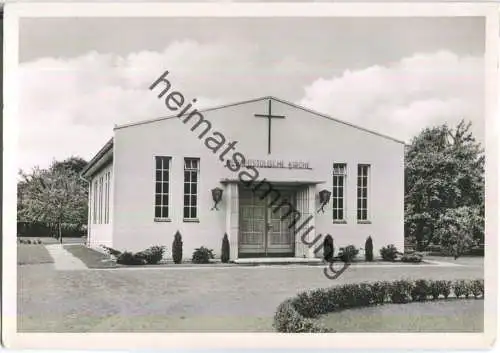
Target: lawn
90, 257
33, 254
435, 316
170, 299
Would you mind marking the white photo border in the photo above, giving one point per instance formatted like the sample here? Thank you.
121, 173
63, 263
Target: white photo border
12, 339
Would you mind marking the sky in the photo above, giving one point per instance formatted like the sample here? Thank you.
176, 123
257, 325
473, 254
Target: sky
81, 76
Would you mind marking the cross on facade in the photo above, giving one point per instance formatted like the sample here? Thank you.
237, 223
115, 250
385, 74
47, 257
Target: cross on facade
269, 117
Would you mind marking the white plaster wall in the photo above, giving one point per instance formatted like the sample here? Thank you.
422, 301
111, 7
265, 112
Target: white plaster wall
101, 234
301, 136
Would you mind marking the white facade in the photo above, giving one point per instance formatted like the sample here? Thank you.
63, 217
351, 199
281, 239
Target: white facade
316, 141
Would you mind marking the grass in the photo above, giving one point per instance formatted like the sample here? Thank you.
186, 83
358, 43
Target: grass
151, 323
91, 258
33, 254
191, 299
434, 316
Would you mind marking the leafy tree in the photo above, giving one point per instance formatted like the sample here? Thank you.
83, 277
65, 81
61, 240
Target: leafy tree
457, 228
444, 171
53, 196
76, 164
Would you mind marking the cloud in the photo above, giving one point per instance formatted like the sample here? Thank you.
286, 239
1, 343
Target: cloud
68, 106
402, 98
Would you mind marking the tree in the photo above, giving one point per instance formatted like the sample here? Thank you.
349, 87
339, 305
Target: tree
457, 228
369, 249
444, 171
76, 164
177, 248
328, 248
225, 253
53, 196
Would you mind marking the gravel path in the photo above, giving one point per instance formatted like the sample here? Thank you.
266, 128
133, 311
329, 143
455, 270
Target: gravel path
64, 260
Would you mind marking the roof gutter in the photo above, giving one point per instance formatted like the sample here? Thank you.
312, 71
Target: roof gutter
102, 152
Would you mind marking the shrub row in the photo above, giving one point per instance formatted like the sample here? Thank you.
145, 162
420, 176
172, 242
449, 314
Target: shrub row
201, 255
154, 254
150, 256
288, 319
296, 314
349, 253
29, 242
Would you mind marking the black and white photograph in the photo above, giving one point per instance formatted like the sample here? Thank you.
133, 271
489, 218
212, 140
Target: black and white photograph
228, 170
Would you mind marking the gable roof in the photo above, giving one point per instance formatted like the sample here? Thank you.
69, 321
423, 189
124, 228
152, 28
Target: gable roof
108, 147
261, 99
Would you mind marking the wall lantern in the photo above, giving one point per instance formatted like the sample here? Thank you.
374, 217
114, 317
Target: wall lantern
324, 198
216, 196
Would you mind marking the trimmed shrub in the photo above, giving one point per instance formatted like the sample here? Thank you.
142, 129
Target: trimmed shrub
477, 288
288, 319
28, 241
296, 314
434, 289
202, 255
128, 258
348, 253
177, 248
224, 257
389, 252
365, 296
460, 288
380, 291
420, 290
445, 288
328, 249
414, 258
369, 249
400, 291
153, 254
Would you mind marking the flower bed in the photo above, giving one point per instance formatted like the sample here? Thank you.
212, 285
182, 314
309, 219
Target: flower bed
298, 314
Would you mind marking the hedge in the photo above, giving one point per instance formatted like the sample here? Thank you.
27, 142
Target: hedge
297, 314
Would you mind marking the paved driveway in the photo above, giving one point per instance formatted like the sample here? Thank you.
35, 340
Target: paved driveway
192, 299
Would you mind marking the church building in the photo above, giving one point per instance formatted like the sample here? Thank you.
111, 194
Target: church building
274, 176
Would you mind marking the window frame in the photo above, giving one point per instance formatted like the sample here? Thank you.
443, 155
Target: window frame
335, 207
367, 175
161, 205
190, 194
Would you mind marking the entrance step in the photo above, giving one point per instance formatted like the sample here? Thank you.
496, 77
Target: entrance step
277, 261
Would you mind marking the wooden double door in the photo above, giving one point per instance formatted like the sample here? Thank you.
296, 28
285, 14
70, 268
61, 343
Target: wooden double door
264, 229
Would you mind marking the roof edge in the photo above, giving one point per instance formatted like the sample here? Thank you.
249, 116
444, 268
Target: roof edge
148, 121
102, 152
338, 120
